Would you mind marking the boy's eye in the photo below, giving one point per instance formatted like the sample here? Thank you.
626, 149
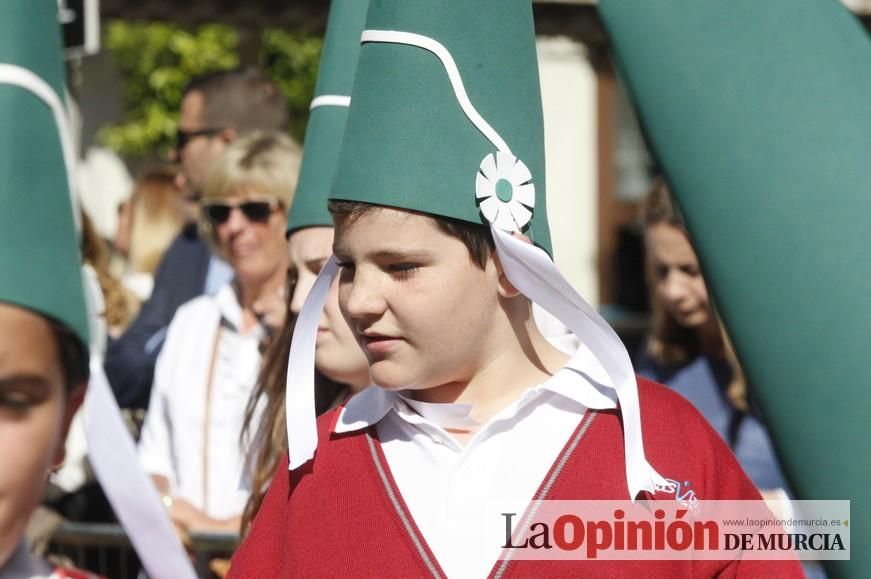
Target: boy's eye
19, 397
15, 401
402, 270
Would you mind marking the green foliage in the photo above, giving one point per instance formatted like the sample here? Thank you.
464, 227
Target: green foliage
291, 60
157, 60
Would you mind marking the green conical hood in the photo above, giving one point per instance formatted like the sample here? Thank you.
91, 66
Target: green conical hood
326, 125
39, 257
409, 144
759, 113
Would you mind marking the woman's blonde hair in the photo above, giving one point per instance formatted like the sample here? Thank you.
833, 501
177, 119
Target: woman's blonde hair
265, 162
157, 215
669, 342
120, 302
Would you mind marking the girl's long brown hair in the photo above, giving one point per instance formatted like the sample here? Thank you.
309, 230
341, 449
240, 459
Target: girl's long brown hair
269, 441
669, 342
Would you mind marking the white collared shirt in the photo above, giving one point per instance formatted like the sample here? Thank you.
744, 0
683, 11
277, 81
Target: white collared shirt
457, 494
203, 462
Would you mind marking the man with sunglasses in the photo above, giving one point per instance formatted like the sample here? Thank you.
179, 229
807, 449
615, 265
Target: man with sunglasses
216, 109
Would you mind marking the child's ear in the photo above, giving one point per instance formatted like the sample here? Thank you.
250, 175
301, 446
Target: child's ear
505, 288
74, 401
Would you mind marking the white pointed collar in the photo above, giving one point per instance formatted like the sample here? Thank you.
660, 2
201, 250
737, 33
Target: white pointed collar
581, 380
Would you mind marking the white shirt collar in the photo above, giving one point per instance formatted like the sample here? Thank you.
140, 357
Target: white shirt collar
581, 380
227, 301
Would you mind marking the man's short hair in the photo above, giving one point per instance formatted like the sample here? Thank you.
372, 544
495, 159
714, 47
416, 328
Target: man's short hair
477, 238
243, 100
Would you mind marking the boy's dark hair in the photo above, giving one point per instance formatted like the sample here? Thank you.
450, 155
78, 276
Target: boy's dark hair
242, 99
73, 354
477, 238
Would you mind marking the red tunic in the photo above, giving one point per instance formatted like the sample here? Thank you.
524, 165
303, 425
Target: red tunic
341, 515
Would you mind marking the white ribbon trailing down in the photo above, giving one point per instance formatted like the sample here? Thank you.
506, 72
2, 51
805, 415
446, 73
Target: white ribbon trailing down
21, 77
302, 429
113, 457
534, 274
132, 494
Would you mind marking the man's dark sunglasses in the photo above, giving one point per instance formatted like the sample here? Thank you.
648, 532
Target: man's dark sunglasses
182, 138
254, 211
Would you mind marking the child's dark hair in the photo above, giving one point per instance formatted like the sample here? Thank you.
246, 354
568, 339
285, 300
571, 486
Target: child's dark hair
477, 238
73, 353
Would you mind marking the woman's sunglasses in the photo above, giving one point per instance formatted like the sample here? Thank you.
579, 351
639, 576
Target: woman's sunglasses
254, 211
182, 138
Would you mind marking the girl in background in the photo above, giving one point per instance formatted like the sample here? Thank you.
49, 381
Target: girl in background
688, 349
342, 368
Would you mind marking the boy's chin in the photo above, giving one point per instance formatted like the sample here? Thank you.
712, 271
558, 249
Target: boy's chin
387, 375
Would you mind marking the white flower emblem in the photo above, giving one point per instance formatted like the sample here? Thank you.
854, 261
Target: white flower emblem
505, 190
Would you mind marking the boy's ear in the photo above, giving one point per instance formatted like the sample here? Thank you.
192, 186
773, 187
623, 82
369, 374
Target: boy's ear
74, 401
505, 288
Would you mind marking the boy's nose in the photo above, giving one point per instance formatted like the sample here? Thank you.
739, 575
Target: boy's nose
361, 297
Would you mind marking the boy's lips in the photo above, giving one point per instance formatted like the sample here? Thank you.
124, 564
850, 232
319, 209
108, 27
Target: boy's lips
378, 343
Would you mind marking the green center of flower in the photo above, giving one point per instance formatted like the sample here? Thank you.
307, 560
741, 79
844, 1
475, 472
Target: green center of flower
504, 190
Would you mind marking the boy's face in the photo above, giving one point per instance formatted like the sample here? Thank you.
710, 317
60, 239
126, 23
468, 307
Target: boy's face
420, 308
34, 415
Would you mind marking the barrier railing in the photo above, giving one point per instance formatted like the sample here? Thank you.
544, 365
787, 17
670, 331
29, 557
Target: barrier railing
105, 549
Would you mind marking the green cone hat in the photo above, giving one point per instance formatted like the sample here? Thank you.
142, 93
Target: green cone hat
759, 114
329, 113
39, 254
446, 116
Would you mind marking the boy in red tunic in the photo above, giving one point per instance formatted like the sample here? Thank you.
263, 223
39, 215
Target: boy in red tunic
476, 414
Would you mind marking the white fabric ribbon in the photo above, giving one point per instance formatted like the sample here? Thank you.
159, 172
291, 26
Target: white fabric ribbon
132, 494
302, 428
532, 272
113, 457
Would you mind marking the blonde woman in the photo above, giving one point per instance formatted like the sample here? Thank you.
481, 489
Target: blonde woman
209, 363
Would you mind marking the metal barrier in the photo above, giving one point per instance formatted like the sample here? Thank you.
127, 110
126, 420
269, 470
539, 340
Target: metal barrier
105, 549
